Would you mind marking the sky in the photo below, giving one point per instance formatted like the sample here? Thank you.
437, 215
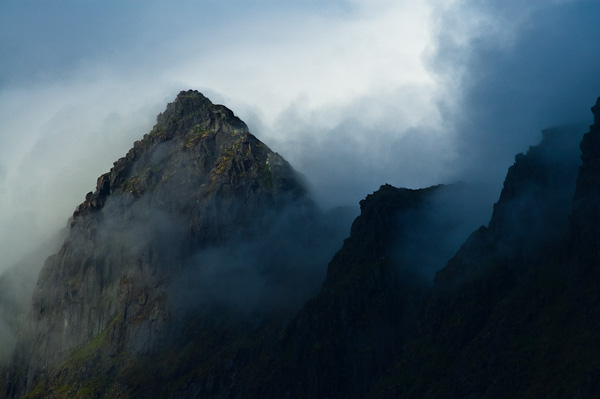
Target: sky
353, 93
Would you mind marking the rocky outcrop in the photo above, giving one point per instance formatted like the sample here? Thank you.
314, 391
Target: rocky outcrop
344, 338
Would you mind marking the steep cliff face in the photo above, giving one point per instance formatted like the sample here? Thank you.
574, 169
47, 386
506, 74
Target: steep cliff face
585, 230
532, 213
507, 316
194, 203
376, 316
344, 338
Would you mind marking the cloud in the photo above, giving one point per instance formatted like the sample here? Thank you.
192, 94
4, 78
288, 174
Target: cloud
55, 142
515, 69
353, 93
261, 271
81, 82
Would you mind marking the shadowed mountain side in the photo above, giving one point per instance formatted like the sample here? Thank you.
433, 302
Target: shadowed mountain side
346, 337
532, 213
508, 316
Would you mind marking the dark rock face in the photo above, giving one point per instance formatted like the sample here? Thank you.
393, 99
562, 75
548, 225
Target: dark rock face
585, 204
506, 316
343, 339
532, 214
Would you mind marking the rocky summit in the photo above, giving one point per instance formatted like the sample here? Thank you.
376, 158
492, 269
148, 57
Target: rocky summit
200, 268
173, 231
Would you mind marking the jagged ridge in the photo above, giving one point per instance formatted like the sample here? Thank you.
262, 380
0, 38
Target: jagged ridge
513, 314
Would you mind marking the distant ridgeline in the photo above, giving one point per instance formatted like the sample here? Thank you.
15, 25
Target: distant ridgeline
200, 268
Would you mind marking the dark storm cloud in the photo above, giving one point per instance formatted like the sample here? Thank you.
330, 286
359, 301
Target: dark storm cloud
520, 67
510, 70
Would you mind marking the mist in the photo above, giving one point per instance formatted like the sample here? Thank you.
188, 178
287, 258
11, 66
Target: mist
16, 288
434, 231
274, 266
516, 69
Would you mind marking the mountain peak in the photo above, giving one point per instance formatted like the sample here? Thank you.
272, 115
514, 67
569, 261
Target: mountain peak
192, 108
192, 186
199, 145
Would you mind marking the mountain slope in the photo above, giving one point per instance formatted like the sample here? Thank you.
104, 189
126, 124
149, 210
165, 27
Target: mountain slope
186, 219
509, 315
344, 338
